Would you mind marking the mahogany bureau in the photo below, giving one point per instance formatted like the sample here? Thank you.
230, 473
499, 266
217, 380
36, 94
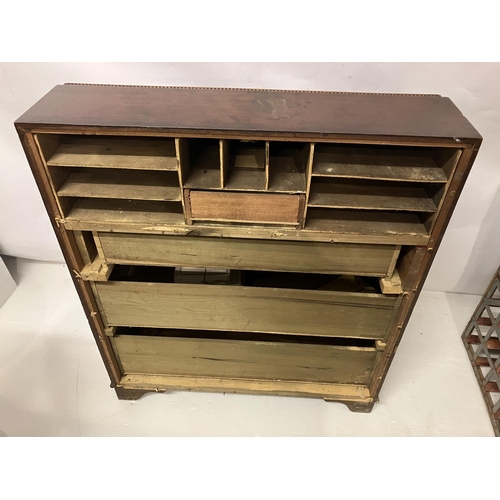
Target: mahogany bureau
247, 241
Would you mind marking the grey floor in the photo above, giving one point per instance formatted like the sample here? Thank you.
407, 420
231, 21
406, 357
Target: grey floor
53, 383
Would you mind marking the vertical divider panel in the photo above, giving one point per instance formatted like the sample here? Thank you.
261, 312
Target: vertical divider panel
394, 260
47, 145
98, 245
449, 168
267, 166
182, 153
224, 162
86, 245
309, 167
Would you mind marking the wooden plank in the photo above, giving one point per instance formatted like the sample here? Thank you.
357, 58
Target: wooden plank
95, 210
365, 197
225, 167
243, 359
260, 112
115, 152
157, 383
378, 163
247, 180
377, 172
366, 223
116, 184
218, 230
265, 255
244, 207
246, 309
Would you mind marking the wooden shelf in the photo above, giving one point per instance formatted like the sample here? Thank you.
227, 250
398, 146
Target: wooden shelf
91, 210
367, 197
246, 180
395, 164
113, 152
134, 185
367, 223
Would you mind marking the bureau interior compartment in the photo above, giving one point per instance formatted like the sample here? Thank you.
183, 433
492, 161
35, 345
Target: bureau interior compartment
262, 302
137, 153
200, 162
392, 163
244, 165
371, 207
396, 189
114, 180
288, 166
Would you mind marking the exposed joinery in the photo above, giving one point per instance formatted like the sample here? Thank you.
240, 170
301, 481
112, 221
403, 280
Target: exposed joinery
115, 152
95, 210
370, 197
98, 270
134, 185
384, 163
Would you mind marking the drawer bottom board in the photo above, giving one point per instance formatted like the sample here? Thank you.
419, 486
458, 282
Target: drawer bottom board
245, 360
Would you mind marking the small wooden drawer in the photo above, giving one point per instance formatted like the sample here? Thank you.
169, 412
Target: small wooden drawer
236, 253
245, 359
258, 208
246, 309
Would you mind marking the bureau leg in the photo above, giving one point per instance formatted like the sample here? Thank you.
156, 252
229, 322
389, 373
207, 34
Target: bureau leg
130, 394
353, 406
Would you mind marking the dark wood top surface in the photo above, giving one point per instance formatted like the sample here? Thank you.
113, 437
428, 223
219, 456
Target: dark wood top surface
271, 111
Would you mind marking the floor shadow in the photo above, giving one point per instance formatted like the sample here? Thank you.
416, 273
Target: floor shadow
11, 264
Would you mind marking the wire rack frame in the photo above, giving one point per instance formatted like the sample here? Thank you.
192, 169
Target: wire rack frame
481, 338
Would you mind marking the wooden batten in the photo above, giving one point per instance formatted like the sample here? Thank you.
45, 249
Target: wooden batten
98, 270
391, 285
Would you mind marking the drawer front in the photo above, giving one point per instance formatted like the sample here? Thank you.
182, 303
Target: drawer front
244, 359
259, 208
246, 309
263, 255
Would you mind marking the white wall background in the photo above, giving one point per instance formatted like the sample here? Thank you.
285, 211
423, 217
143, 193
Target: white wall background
470, 251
